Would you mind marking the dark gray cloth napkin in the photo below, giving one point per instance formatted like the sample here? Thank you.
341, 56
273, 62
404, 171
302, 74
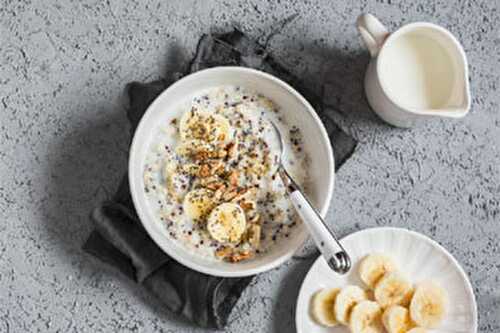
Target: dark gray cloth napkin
119, 238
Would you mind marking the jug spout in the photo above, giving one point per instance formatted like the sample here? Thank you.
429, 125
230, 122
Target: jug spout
459, 102
460, 98
457, 105
454, 100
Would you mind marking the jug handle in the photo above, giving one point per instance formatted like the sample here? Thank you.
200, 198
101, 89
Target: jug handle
372, 31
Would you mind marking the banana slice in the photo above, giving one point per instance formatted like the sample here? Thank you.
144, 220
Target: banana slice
193, 146
373, 329
393, 289
373, 267
366, 316
226, 223
417, 330
254, 235
203, 125
176, 181
428, 305
396, 319
198, 203
346, 300
322, 306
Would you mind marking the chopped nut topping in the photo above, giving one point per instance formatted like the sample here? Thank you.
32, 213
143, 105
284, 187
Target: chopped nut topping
221, 153
229, 195
204, 171
239, 256
210, 168
201, 155
223, 252
231, 149
247, 205
233, 178
215, 186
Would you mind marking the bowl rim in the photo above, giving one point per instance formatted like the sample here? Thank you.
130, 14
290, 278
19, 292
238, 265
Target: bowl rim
139, 199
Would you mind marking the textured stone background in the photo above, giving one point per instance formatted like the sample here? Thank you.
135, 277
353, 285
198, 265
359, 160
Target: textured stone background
64, 138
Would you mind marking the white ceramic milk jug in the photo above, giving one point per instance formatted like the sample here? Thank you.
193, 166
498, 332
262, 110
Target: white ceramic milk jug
417, 72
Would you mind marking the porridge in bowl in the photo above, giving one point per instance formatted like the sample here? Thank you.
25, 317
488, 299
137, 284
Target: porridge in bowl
210, 174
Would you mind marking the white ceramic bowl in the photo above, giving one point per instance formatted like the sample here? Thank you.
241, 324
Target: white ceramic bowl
294, 108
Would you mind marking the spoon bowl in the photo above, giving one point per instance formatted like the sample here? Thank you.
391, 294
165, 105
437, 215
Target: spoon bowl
326, 241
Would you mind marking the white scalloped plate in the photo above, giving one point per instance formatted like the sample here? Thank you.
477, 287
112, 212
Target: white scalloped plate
417, 255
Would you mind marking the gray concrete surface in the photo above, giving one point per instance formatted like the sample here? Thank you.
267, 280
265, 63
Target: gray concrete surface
63, 148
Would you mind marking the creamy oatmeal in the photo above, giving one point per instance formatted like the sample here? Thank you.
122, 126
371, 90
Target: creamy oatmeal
210, 174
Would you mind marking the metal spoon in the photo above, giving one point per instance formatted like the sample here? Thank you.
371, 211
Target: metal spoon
326, 241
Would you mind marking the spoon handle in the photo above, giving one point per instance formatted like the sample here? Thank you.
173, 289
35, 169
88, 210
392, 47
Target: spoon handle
331, 249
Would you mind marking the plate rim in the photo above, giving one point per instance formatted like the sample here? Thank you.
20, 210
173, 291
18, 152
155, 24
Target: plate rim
468, 285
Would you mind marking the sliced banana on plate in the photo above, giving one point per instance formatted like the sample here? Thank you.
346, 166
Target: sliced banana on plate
428, 305
322, 306
373, 267
392, 304
198, 203
366, 317
226, 223
205, 126
347, 298
396, 319
393, 289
